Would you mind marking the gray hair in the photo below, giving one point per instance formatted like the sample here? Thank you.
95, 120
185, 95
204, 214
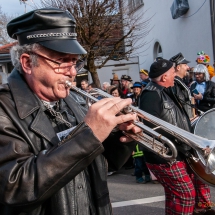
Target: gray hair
157, 79
17, 50
107, 84
200, 68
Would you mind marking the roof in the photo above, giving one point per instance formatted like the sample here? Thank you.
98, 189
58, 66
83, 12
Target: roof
6, 48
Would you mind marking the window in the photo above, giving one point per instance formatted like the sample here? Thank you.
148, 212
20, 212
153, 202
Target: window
157, 50
134, 4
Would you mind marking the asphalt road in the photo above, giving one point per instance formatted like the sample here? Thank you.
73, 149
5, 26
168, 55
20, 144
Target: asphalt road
130, 198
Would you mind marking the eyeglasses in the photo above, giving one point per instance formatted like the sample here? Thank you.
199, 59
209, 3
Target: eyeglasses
63, 66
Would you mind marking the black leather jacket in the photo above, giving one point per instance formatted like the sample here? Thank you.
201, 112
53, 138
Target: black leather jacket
208, 100
183, 93
162, 103
37, 172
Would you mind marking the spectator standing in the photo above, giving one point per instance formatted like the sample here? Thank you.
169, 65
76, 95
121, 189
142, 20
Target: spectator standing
84, 85
91, 86
106, 86
140, 165
138, 155
115, 81
205, 60
126, 85
135, 96
116, 92
144, 75
205, 95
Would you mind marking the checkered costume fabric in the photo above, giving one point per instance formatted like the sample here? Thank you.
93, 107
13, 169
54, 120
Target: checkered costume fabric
183, 190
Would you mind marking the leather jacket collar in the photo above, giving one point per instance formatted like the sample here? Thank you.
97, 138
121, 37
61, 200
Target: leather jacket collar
154, 86
26, 103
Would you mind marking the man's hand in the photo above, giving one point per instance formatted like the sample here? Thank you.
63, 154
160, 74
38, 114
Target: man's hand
128, 126
102, 117
198, 96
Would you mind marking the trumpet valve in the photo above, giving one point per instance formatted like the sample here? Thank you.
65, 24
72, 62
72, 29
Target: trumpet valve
127, 109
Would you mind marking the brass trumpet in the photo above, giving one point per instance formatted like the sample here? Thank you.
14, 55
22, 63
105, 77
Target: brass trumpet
161, 145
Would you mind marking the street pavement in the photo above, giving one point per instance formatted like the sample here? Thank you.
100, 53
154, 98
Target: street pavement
131, 198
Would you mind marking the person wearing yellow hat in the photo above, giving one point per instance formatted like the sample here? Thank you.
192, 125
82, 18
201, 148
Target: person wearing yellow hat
205, 60
144, 75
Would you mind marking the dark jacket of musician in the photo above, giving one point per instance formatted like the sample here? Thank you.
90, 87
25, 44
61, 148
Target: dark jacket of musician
75, 170
168, 109
208, 100
183, 93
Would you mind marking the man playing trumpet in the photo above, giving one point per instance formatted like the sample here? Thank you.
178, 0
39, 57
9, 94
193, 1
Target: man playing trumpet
53, 152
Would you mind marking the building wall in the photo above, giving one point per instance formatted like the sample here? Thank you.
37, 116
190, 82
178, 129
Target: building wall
188, 35
123, 67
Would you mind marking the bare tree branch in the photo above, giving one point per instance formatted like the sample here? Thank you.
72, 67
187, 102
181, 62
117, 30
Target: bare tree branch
4, 19
106, 29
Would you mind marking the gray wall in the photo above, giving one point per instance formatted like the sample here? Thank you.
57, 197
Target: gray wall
123, 67
187, 35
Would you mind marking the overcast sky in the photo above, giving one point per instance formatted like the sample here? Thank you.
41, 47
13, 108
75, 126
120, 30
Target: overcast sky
13, 7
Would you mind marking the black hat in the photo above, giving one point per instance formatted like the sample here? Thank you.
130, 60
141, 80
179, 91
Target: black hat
159, 67
136, 84
126, 77
179, 59
50, 27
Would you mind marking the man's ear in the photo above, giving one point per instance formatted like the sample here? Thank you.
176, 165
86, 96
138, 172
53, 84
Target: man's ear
177, 67
163, 78
26, 63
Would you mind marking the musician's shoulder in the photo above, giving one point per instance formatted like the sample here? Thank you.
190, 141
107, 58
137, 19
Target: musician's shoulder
150, 94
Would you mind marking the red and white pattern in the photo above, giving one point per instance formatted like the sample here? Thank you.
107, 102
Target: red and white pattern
183, 190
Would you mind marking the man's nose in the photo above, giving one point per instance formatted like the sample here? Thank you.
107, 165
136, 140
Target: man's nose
73, 71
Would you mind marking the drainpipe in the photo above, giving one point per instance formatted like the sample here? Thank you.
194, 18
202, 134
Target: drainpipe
212, 7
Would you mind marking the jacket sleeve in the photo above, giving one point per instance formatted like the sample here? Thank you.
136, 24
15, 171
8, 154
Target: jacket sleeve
210, 96
27, 179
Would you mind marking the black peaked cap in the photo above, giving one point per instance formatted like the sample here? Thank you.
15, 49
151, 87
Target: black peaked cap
50, 27
179, 59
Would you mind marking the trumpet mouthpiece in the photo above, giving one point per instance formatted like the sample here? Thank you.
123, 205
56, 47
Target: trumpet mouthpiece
68, 83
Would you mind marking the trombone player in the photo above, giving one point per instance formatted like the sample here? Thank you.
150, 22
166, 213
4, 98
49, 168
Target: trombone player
184, 192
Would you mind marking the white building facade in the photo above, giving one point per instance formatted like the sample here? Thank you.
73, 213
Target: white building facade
188, 34
122, 67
